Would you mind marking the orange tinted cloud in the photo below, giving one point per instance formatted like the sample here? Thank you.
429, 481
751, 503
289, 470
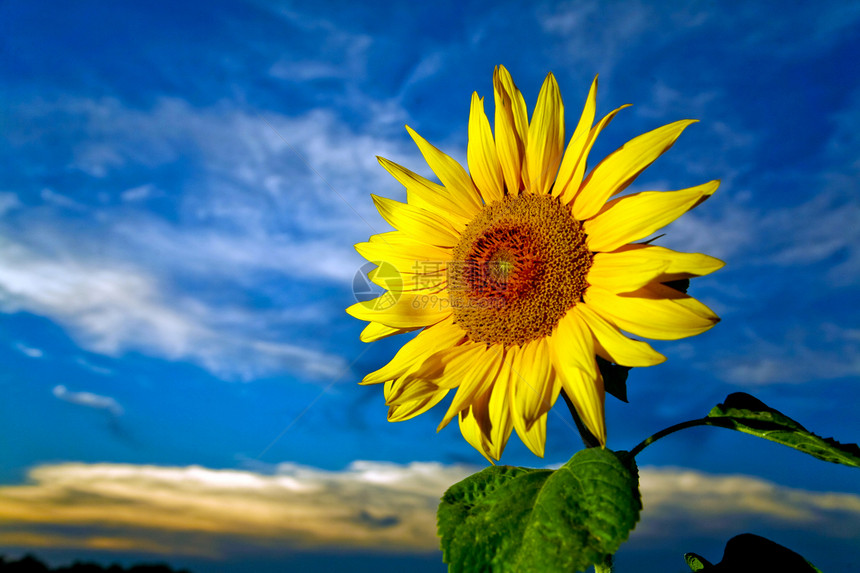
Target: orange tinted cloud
373, 506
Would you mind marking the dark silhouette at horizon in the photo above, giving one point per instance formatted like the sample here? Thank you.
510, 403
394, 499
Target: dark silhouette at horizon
30, 564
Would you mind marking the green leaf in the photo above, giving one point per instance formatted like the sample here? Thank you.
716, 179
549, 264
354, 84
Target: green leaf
520, 519
747, 414
614, 378
750, 553
696, 562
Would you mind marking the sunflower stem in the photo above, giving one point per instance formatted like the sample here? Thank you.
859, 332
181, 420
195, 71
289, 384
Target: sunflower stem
587, 437
670, 430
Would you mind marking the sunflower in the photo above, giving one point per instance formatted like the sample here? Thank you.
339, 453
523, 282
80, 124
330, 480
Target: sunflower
522, 271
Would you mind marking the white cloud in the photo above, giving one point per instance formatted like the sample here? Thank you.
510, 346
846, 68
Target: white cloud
667, 100
369, 505
140, 193
429, 65
101, 370
379, 506
29, 350
8, 202
252, 210
89, 400
802, 355
594, 32
726, 233
597, 36
829, 226
238, 256
60, 200
812, 232
113, 309
328, 43
346, 57
254, 170
684, 501
811, 29
576, 21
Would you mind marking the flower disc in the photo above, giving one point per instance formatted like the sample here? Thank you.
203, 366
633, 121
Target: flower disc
520, 265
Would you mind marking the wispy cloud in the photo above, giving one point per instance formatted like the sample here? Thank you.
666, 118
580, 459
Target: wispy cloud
345, 53
29, 350
798, 356
89, 400
678, 500
260, 169
602, 34
101, 370
141, 192
594, 37
819, 230
8, 202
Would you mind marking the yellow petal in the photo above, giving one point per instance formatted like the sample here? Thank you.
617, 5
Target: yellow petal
487, 423
391, 238
571, 348
535, 436
450, 173
573, 155
412, 354
680, 265
499, 409
619, 169
614, 346
571, 189
511, 128
534, 391
385, 248
423, 193
375, 331
406, 275
624, 271
572, 344
479, 407
401, 412
449, 367
588, 397
652, 317
403, 310
396, 264
388, 277
518, 103
404, 390
416, 222
546, 138
636, 216
481, 154
471, 429
477, 380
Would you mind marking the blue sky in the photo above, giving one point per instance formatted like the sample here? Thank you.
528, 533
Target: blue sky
181, 185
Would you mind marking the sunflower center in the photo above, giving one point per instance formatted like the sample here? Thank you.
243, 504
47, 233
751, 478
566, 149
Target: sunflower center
520, 265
